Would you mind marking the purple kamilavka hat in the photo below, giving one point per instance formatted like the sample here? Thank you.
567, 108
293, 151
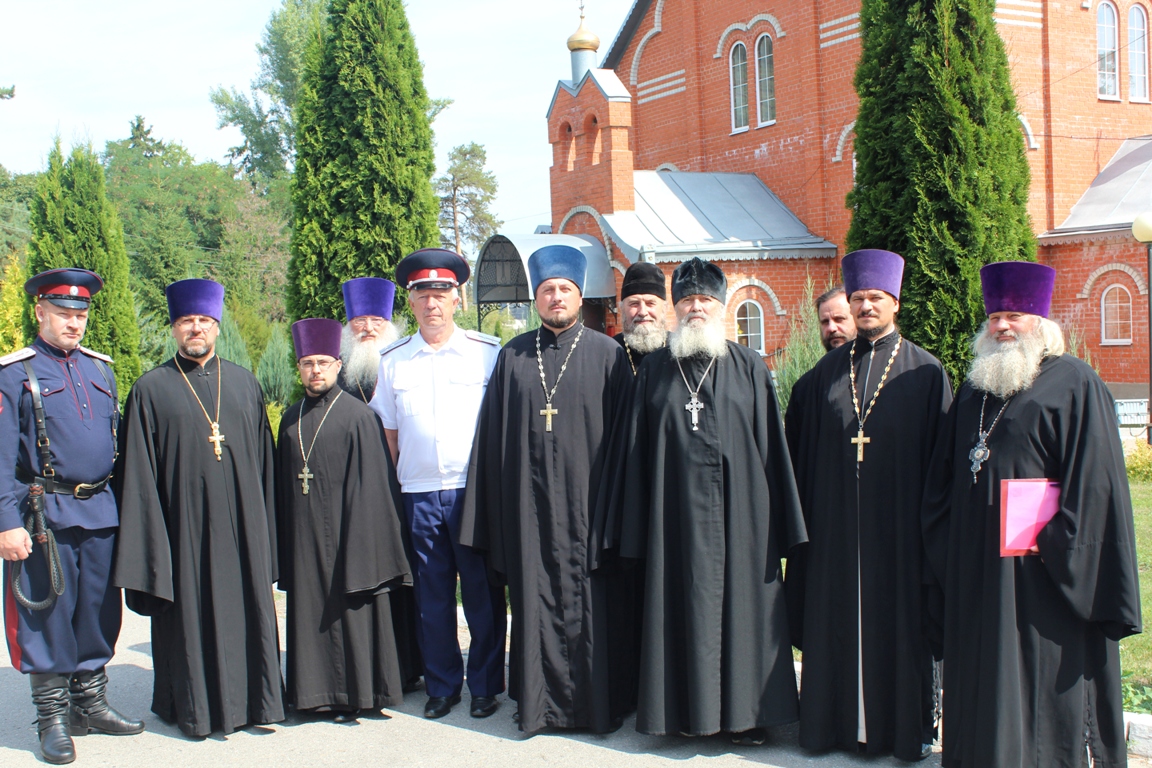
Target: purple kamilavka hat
369, 296
195, 297
1017, 286
316, 336
873, 270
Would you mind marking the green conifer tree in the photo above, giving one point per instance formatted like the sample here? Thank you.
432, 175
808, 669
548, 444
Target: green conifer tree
230, 343
362, 196
74, 225
276, 372
941, 176
12, 304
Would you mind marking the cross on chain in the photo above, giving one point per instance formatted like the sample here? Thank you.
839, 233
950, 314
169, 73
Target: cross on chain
305, 476
548, 413
216, 438
694, 407
859, 442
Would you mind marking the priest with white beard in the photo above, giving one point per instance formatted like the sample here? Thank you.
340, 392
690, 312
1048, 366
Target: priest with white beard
368, 332
1031, 623
644, 310
711, 507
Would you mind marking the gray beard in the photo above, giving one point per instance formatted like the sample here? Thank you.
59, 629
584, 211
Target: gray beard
646, 337
1006, 368
705, 340
362, 358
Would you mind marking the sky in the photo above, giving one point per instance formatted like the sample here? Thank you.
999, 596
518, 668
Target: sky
84, 69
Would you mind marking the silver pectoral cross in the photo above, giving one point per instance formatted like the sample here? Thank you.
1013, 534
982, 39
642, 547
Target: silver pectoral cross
305, 476
694, 406
548, 412
859, 441
216, 438
978, 455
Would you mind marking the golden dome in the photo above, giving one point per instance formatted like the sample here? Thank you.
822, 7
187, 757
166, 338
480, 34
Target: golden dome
583, 39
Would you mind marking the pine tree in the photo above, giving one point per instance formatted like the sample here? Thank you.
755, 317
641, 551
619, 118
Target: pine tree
941, 176
74, 225
362, 196
276, 372
230, 342
803, 348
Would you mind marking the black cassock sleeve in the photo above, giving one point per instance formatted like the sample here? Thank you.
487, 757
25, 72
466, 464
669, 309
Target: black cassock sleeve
143, 565
481, 526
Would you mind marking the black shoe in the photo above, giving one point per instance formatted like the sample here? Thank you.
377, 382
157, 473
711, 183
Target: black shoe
90, 711
484, 706
925, 751
516, 716
412, 685
438, 706
753, 737
50, 695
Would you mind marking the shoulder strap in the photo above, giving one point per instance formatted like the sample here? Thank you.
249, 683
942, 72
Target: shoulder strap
17, 356
38, 414
483, 337
395, 345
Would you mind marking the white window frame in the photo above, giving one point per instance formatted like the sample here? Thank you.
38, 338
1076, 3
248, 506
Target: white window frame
1138, 74
1107, 80
736, 318
732, 88
1104, 338
760, 78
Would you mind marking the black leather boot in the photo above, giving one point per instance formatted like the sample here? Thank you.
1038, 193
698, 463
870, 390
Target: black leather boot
90, 711
50, 695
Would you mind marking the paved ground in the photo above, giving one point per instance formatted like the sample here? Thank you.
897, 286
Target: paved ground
402, 738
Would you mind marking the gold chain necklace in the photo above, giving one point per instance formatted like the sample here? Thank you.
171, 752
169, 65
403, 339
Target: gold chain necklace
859, 441
305, 476
215, 438
548, 411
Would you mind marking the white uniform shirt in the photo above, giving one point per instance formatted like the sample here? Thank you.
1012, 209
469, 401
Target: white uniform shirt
432, 399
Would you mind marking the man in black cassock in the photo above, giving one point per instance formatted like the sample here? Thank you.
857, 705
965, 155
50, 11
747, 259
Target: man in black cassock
1031, 659
871, 417
537, 464
644, 309
339, 535
710, 505
368, 305
197, 547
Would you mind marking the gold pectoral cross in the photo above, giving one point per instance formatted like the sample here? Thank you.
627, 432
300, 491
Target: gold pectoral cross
859, 442
305, 476
216, 438
548, 413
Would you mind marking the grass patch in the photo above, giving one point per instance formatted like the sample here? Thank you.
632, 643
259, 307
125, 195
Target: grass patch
1136, 651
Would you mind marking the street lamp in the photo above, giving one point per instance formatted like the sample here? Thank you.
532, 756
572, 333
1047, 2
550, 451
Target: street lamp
1142, 231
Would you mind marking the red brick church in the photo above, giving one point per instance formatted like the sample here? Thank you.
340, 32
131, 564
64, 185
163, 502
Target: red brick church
724, 129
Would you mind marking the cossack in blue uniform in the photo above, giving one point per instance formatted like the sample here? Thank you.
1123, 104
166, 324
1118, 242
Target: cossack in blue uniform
71, 456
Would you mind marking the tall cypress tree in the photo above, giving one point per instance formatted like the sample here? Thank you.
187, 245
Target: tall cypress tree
74, 225
941, 175
362, 195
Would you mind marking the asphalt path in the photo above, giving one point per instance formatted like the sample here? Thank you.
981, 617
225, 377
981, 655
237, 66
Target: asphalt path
400, 737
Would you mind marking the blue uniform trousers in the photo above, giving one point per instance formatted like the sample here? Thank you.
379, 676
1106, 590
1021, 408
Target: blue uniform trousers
434, 521
78, 633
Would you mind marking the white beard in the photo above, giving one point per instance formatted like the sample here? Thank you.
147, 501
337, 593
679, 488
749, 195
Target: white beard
646, 337
362, 358
1005, 368
706, 340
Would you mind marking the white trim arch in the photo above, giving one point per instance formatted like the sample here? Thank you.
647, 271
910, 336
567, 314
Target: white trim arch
844, 133
595, 215
667, 167
754, 283
759, 348
1120, 340
657, 28
738, 27
1116, 266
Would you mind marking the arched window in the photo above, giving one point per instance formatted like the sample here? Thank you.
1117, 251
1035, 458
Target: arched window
1137, 54
750, 326
739, 61
1107, 78
765, 80
1116, 315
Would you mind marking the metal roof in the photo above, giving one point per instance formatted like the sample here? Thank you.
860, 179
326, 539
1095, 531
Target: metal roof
604, 79
730, 216
1118, 194
626, 33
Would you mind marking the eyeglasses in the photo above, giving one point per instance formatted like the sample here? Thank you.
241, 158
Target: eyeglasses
318, 365
366, 321
186, 323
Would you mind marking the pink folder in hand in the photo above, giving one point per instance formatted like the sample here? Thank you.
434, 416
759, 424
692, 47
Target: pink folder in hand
1026, 506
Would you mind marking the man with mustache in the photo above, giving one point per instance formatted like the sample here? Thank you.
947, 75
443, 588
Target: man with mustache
340, 546
1032, 665
711, 507
643, 308
538, 462
836, 326
869, 424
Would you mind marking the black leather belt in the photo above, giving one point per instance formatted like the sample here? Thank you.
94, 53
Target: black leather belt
56, 485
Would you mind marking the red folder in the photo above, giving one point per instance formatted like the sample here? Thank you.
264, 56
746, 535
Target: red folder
1026, 506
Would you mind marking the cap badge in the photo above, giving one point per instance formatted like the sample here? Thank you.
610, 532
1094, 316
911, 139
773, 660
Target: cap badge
432, 274
73, 290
